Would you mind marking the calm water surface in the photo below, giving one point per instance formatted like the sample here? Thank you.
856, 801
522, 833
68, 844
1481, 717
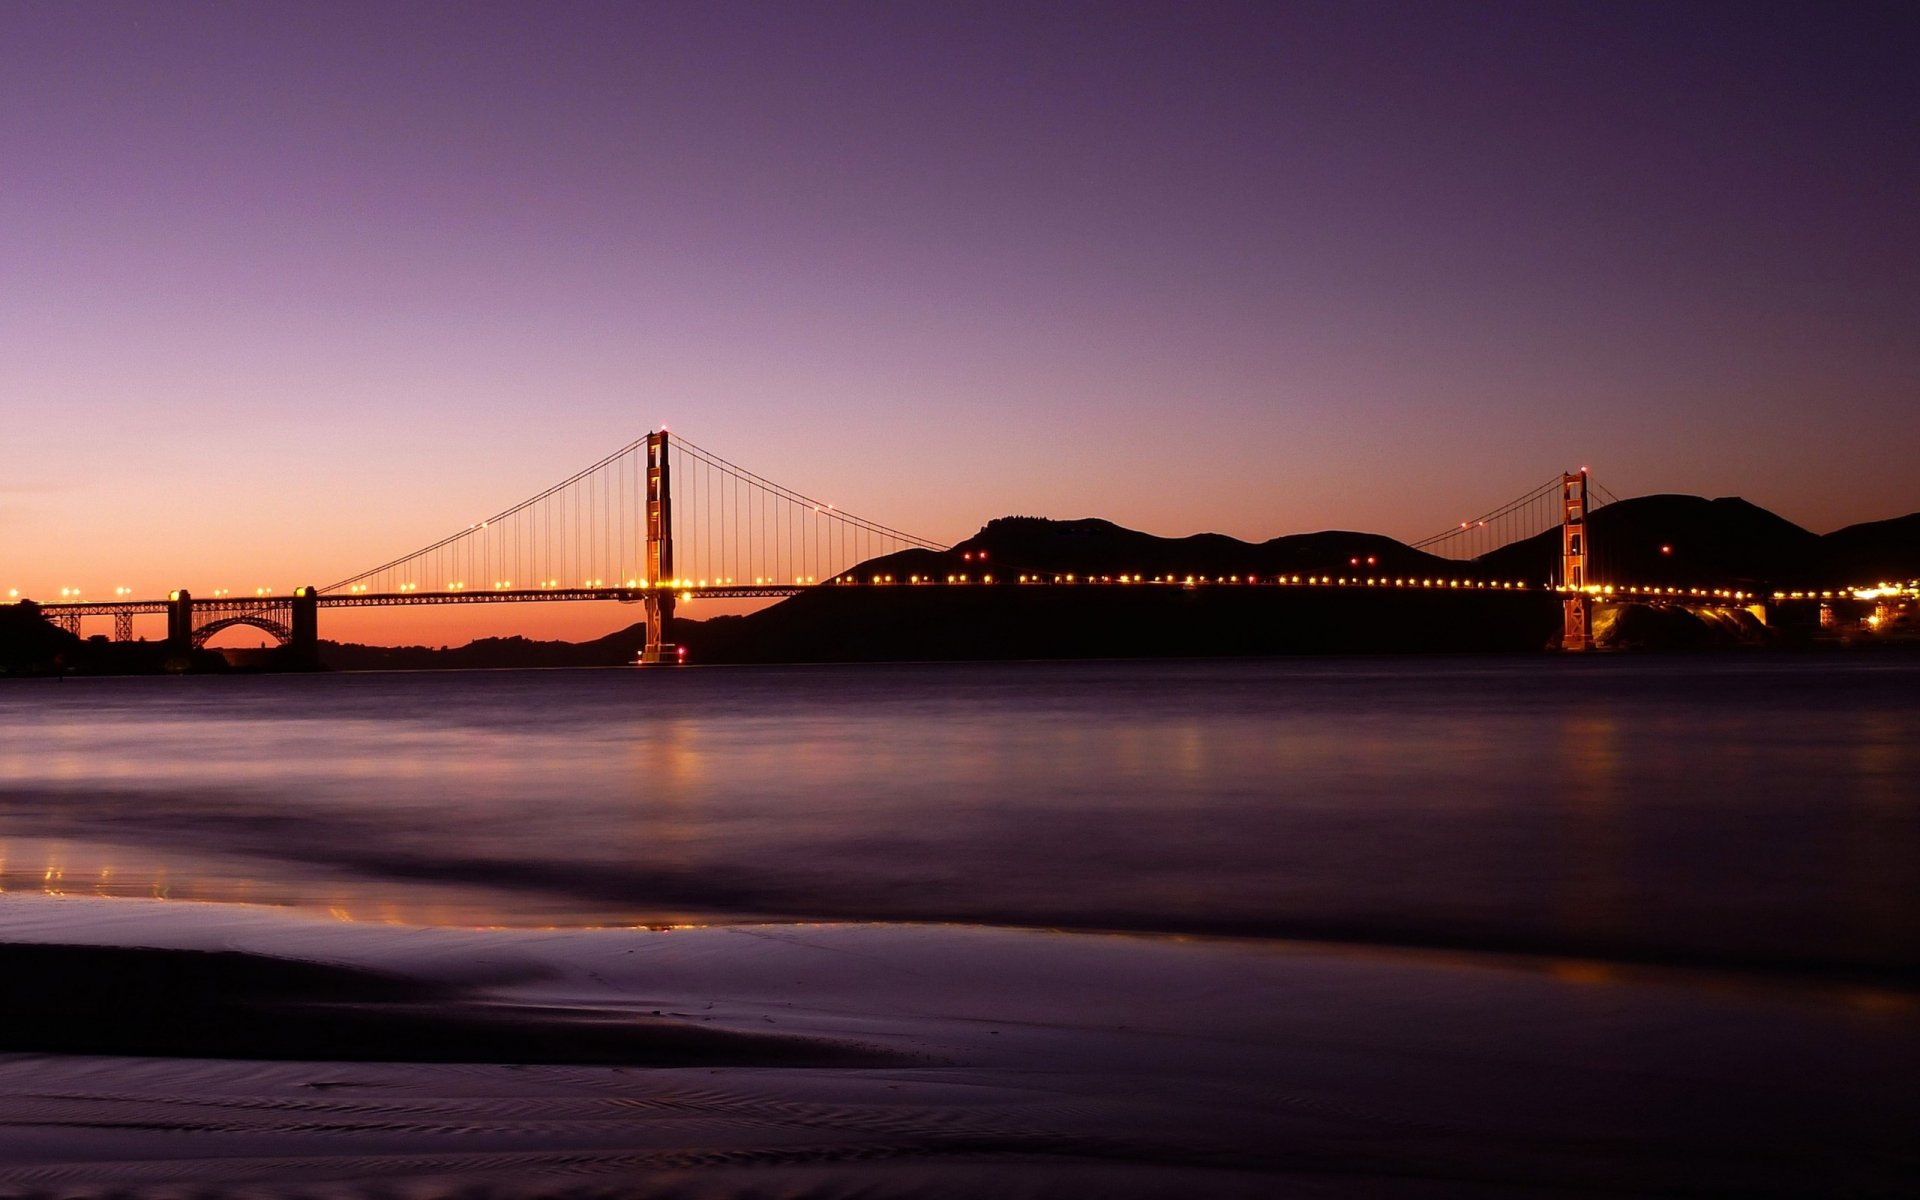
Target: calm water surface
1760, 811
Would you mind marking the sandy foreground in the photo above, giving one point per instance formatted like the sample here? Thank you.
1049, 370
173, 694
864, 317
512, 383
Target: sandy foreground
170, 1049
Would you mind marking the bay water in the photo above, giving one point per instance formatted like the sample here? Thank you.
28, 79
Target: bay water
1756, 813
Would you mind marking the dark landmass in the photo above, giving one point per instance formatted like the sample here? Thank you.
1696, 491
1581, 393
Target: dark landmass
1649, 541
619, 647
32, 645
1871, 552
29, 643
1002, 622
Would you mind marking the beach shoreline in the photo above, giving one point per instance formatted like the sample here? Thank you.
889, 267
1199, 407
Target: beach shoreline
921, 1060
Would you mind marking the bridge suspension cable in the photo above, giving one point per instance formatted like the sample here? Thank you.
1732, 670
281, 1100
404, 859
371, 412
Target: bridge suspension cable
732, 524
1524, 517
729, 527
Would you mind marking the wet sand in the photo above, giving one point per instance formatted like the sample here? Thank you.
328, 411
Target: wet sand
167, 1049
228, 1004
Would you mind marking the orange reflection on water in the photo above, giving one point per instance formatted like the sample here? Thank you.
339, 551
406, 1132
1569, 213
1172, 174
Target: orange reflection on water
65, 869
1881, 1002
1582, 971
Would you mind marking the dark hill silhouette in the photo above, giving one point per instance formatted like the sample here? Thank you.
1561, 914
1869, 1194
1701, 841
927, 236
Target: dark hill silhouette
1677, 541
1091, 547
1872, 552
1689, 541
1668, 540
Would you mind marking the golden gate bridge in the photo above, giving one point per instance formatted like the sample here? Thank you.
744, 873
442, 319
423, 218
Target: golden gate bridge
662, 521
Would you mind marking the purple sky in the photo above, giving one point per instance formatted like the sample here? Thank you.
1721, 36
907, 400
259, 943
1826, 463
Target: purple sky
288, 289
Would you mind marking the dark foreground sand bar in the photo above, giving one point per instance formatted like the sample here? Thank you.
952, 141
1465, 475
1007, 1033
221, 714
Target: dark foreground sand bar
245, 1052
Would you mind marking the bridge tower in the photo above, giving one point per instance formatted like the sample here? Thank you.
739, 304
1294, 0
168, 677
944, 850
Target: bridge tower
658, 601
1576, 631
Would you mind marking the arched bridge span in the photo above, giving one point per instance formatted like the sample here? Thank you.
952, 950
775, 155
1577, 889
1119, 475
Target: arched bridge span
279, 631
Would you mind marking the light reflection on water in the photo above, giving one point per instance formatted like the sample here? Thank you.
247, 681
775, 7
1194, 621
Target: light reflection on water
1741, 808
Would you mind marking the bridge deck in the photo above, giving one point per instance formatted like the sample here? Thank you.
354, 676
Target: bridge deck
634, 595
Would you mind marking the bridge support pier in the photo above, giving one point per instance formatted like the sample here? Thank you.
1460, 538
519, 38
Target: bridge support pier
659, 610
303, 646
123, 627
180, 624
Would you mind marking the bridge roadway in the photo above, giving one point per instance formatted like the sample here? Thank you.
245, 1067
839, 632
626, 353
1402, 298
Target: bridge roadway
217, 605
694, 591
758, 591
291, 618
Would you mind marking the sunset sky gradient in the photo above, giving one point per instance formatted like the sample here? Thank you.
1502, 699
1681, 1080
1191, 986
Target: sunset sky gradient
289, 289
